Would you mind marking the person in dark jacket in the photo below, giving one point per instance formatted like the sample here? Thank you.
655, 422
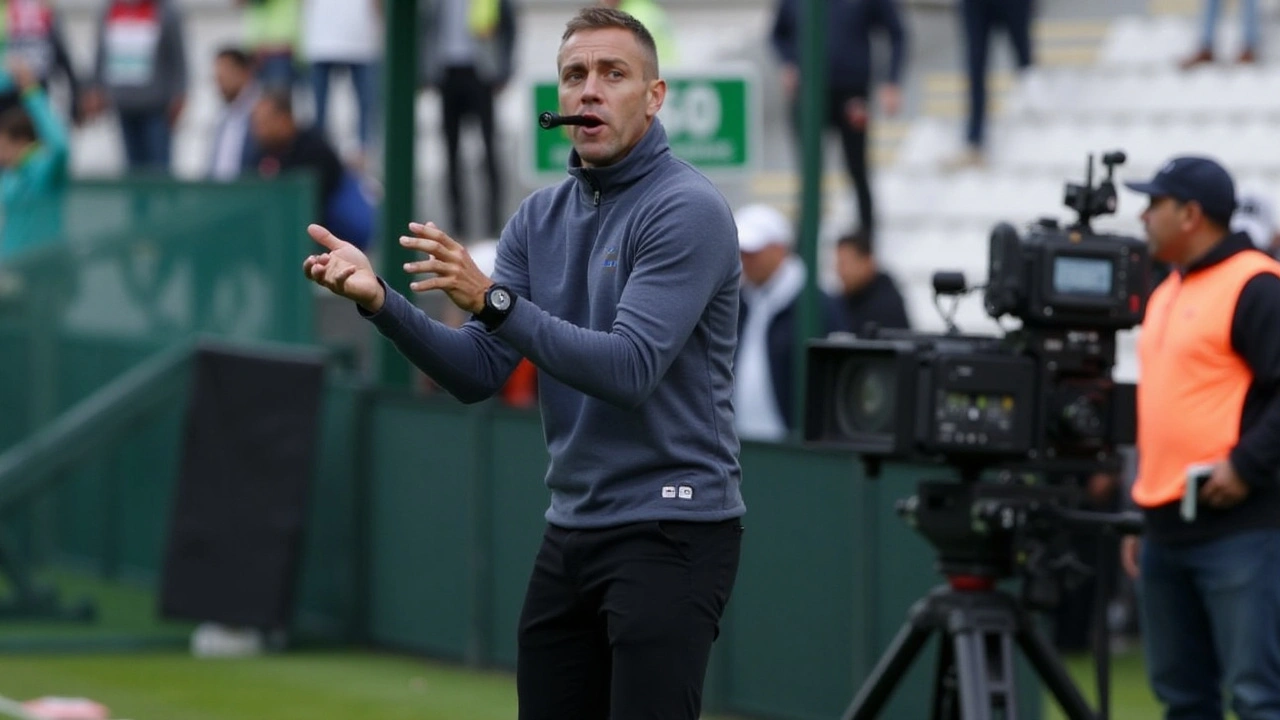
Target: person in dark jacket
868, 295
1208, 452
849, 24
282, 145
773, 278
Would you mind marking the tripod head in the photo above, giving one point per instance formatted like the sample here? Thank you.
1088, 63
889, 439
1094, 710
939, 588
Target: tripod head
984, 532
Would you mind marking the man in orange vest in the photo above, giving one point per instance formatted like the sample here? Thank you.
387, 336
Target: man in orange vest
1208, 410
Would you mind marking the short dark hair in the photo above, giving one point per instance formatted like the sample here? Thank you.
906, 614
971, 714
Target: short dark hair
280, 99
237, 56
16, 124
859, 240
600, 18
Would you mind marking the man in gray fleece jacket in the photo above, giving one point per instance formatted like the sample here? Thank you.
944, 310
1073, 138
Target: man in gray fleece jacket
621, 285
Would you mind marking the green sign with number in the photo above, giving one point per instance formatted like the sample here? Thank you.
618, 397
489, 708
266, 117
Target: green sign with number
710, 123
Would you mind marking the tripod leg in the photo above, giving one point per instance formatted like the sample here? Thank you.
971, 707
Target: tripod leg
946, 684
1051, 671
880, 684
984, 666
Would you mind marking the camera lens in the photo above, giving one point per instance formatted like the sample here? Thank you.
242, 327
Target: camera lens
864, 397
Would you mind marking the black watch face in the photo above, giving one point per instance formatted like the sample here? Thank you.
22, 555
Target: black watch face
500, 299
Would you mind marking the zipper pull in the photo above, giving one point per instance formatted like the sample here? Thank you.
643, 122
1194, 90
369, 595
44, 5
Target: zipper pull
597, 198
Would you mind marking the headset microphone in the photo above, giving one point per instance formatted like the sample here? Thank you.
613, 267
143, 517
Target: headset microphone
550, 120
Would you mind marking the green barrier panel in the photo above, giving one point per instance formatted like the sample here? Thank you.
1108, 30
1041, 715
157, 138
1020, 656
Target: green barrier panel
422, 536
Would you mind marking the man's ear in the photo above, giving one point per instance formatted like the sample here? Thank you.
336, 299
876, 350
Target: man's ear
657, 95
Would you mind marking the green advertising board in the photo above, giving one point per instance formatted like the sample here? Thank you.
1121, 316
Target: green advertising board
711, 122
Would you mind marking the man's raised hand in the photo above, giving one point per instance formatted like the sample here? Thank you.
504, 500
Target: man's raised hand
343, 270
449, 265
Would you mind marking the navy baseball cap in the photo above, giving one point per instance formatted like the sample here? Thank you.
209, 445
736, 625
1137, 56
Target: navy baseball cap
1194, 178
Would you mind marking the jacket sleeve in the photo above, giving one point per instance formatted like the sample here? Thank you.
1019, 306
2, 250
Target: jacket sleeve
175, 54
888, 17
62, 61
469, 362
1255, 335
783, 34
686, 250
507, 37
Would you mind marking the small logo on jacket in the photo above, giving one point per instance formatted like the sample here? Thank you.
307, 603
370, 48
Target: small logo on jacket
610, 259
684, 492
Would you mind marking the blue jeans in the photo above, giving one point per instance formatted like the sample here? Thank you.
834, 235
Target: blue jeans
364, 78
1211, 621
1248, 18
147, 140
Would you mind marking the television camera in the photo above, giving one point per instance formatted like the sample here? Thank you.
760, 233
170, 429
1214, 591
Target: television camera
1036, 410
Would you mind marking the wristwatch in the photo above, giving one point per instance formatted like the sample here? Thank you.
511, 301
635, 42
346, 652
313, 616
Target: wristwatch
498, 301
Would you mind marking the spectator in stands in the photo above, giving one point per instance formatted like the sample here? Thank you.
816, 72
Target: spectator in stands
271, 34
629, 310
234, 149
467, 52
980, 18
283, 146
32, 31
34, 153
848, 91
345, 36
1208, 409
1256, 218
653, 16
141, 70
773, 278
867, 294
1249, 24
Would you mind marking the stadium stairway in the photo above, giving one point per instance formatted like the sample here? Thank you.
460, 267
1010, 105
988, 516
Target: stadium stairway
1116, 87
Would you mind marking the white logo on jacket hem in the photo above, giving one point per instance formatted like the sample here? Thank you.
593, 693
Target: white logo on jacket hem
684, 492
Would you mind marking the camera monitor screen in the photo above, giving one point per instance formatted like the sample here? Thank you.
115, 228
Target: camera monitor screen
1074, 275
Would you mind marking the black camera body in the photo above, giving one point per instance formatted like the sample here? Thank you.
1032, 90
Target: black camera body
1055, 277
1040, 398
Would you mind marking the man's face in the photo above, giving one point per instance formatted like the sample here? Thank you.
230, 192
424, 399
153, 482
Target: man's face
855, 269
1167, 224
602, 74
759, 266
271, 128
230, 78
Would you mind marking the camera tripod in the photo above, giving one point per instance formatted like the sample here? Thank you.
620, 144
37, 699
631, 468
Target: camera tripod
979, 625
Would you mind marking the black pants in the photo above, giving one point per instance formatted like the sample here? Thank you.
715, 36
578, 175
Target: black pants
980, 18
464, 95
853, 146
618, 623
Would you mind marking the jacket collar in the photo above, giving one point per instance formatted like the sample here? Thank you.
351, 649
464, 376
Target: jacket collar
638, 163
1228, 246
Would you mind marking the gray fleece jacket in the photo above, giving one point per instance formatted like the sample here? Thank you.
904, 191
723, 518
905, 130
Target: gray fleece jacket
627, 278
141, 59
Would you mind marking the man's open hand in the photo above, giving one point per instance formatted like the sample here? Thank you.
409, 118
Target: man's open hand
449, 263
344, 270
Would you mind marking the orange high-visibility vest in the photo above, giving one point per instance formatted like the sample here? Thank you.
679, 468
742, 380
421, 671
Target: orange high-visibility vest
1192, 382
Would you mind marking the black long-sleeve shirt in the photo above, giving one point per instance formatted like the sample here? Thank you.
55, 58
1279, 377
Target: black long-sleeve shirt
849, 26
1255, 336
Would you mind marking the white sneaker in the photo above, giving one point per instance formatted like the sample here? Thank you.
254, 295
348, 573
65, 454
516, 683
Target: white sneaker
970, 158
1034, 97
